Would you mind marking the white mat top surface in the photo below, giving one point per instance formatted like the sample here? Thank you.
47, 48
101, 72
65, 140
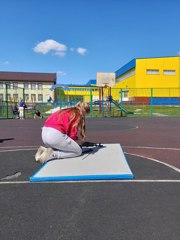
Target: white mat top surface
103, 163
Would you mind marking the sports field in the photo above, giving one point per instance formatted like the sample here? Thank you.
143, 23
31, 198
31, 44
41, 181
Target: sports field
146, 207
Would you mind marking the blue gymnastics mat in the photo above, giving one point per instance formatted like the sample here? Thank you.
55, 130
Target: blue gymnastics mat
106, 163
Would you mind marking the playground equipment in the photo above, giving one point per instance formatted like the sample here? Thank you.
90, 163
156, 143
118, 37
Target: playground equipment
120, 106
98, 97
106, 102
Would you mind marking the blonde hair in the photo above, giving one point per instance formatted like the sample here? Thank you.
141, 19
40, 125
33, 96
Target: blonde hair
79, 111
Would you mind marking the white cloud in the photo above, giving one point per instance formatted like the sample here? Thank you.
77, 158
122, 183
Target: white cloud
57, 48
51, 45
81, 51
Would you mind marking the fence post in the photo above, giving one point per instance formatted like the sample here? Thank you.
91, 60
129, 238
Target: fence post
102, 107
110, 109
120, 97
91, 99
60, 98
7, 114
23, 95
151, 103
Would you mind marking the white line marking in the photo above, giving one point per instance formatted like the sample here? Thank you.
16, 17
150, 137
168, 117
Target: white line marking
157, 148
96, 181
21, 147
143, 147
16, 150
155, 160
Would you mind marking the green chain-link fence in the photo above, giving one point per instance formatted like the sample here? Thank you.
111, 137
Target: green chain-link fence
124, 102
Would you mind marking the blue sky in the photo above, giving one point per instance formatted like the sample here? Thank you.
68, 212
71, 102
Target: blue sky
77, 38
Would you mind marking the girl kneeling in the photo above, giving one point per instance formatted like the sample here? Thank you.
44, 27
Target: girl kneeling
60, 133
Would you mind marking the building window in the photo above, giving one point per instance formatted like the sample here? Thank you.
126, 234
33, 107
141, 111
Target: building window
33, 97
8, 85
40, 86
26, 85
15, 97
169, 72
1, 97
40, 97
152, 71
1, 85
15, 85
125, 94
26, 96
33, 86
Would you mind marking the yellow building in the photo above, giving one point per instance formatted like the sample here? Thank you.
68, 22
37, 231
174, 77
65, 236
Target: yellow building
90, 92
145, 77
74, 93
141, 79
33, 87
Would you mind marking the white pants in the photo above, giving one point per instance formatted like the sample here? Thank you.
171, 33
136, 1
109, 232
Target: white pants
21, 112
63, 146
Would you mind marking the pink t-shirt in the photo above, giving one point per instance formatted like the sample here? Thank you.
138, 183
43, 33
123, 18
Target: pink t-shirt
62, 124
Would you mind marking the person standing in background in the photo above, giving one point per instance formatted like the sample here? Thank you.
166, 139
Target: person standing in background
21, 109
